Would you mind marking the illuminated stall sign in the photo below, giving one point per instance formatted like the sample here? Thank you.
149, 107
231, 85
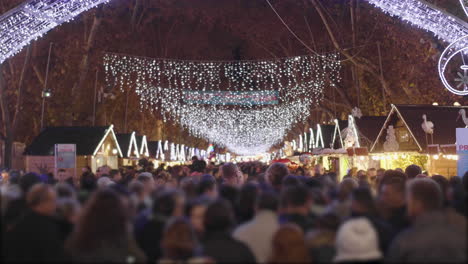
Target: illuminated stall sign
264, 97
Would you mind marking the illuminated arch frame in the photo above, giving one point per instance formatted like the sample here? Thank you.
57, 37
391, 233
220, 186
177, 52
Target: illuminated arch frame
34, 18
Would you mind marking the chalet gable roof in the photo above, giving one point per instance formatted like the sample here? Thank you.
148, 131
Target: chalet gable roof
87, 140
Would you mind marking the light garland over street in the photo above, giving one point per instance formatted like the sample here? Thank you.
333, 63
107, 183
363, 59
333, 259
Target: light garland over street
245, 129
32, 19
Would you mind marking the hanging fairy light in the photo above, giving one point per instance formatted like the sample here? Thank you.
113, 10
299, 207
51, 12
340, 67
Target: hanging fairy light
426, 16
245, 106
32, 19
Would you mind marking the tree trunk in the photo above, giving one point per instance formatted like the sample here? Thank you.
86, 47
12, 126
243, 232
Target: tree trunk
7, 129
84, 65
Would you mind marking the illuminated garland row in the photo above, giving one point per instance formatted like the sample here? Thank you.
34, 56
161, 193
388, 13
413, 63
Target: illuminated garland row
32, 19
425, 16
244, 129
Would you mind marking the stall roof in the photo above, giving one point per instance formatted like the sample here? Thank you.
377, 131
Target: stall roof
87, 140
127, 142
444, 119
368, 128
153, 148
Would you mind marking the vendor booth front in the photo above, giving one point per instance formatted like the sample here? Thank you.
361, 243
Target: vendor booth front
94, 147
424, 135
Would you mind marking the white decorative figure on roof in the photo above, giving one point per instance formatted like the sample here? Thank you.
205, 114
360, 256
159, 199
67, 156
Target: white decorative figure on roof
391, 143
428, 128
356, 112
350, 138
462, 114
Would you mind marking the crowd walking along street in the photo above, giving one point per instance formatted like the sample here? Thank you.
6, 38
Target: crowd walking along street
234, 131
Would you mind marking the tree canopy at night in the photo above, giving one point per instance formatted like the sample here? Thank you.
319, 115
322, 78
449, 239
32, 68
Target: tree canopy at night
384, 59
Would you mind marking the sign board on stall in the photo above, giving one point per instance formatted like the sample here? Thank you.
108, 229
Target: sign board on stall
65, 156
462, 150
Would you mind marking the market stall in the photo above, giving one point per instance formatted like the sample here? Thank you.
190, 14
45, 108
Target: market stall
95, 147
422, 135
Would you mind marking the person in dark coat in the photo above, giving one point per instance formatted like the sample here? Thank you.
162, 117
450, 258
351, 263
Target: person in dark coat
148, 236
296, 202
219, 243
35, 237
435, 235
392, 200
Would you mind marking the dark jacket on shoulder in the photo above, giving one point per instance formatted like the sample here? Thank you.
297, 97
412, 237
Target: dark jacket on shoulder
34, 238
223, 248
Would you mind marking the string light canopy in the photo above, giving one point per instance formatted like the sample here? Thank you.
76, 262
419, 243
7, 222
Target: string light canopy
32, 19
426, 16
270, 95
446, 27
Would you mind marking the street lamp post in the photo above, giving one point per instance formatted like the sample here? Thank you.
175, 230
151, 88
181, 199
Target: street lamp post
45, 92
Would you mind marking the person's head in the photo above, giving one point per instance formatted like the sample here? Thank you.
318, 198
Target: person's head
362, 202
390, 174
362, 175
42, 199
248, 196
357, 241
380, 175
276, 173
28, 180
4, 174
231, 174
68, 209
444, 186
346, 187
412, 171
296, 200
88, 181
288, 245
319, 170
179, 240
392, 192
423, 196
371, 173
189, 186
219, 217
229, 193
86, 169
62, 175
65, 190
198, 166
267, 201
115, 175
195, 211
169, 203
147, 180
104, 219
104, 182
353, 172
207, 186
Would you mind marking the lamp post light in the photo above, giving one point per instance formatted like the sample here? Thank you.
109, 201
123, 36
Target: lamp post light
46, 93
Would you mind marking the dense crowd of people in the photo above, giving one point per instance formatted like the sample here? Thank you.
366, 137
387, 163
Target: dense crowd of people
244, 213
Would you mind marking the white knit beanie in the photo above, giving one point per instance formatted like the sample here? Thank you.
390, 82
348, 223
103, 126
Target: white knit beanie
357, 241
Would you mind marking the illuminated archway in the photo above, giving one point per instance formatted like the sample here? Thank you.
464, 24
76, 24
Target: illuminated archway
34, 18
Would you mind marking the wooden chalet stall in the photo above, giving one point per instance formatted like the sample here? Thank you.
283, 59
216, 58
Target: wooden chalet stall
406, 138
130, 149
95, 147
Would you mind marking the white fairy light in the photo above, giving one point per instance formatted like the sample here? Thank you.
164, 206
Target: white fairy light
32, 19
426, 16
247, 128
